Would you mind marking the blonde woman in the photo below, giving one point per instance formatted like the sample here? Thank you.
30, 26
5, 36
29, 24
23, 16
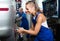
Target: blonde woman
40, 27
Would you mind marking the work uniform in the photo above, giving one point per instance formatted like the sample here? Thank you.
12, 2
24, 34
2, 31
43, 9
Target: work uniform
45, 33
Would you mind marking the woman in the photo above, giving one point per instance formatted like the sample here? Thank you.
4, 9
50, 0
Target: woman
39, 28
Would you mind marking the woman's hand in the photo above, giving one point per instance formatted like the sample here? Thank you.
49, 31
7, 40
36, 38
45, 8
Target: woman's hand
20, 30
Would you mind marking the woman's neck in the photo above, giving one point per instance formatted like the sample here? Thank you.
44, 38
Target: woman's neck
34, 14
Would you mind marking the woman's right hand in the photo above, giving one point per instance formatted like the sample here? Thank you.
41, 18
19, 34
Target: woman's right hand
20, 30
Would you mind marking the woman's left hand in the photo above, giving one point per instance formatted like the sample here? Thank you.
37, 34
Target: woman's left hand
20, 30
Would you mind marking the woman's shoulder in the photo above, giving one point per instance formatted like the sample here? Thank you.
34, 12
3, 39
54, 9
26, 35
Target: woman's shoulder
41, 15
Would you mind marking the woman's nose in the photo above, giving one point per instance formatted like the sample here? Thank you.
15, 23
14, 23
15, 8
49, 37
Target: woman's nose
27, 11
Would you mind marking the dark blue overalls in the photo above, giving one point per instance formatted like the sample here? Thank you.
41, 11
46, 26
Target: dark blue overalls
45, 34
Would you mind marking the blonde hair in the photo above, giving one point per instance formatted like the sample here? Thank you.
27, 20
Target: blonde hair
36, 5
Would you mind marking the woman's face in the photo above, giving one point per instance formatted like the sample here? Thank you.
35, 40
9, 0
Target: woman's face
30, 8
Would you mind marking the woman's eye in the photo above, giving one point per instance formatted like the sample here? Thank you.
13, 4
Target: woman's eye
26, 8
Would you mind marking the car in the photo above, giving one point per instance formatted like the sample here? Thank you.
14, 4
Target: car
7, 19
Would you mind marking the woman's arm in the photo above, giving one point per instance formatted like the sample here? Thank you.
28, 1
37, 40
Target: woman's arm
37, 27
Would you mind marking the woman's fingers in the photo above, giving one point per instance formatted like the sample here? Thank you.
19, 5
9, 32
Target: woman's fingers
20, 30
